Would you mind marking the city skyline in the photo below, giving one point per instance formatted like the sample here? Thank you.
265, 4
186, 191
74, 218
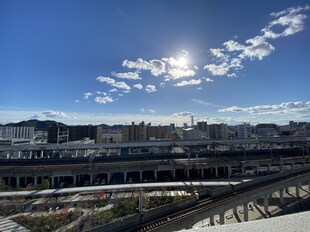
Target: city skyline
115, 62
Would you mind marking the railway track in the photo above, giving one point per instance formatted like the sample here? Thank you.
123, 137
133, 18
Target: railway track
206, 204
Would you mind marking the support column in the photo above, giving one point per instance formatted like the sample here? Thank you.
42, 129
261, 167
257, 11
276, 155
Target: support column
19, 154
74, 180
30, 154
266, 203
9, 180
202, 173
108, 177
91, 179
212, 220
281, 196
222, 218
235, 210
35, 180
216, 172
187, 173
76, 153
298, 190
125, 177
246, 212
173, 174
141, 176
52, 181
42, 154
155, 175
17, 181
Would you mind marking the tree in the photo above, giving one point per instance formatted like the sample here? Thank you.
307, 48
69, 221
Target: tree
2, 185
45, 184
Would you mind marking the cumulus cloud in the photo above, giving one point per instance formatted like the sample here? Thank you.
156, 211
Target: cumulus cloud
283, 108
150, 88
87, 95
113, 90
138, 86
127, 75
191, 82
77, 101
112, 82
229, 59
156, 67
104, 100
177, 73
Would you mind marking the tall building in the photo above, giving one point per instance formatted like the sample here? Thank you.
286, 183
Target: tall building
134, 132
218, 131
244, 131
202, 126
144, 132
74, 133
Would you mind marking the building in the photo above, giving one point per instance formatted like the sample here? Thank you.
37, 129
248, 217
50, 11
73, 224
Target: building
192, 134
202, 126
13, 132
244, 131
267, 130
218, 131
63, 134
134, 132
144, 132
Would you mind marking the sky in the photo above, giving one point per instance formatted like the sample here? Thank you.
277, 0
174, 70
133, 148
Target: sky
158, 61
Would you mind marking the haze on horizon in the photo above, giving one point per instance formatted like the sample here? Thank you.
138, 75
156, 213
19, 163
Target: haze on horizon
114, 62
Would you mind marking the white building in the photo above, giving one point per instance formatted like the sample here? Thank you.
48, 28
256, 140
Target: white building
17, 133
244, 131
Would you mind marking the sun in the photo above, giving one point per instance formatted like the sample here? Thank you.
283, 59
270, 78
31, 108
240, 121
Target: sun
181, 62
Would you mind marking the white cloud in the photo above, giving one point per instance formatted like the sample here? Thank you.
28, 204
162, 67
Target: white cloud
112, 82
208, 79
185, 52
283, 108
231, 56
217, 70
113, 90
218, 53
142, 110
152, 111
138, 86
156, 67
102, 93
77, 101
177, 73
290, 19
104, 100
127, 75
87, 95
200, 102
258, 48
150, 88
191, 82
182, 114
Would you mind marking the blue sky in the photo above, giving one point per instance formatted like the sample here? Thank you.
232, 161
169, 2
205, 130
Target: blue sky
160, 61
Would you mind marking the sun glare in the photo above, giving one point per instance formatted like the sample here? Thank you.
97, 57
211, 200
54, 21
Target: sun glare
182, 62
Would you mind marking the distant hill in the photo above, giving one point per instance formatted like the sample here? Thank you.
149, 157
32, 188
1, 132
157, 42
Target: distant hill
38, 125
